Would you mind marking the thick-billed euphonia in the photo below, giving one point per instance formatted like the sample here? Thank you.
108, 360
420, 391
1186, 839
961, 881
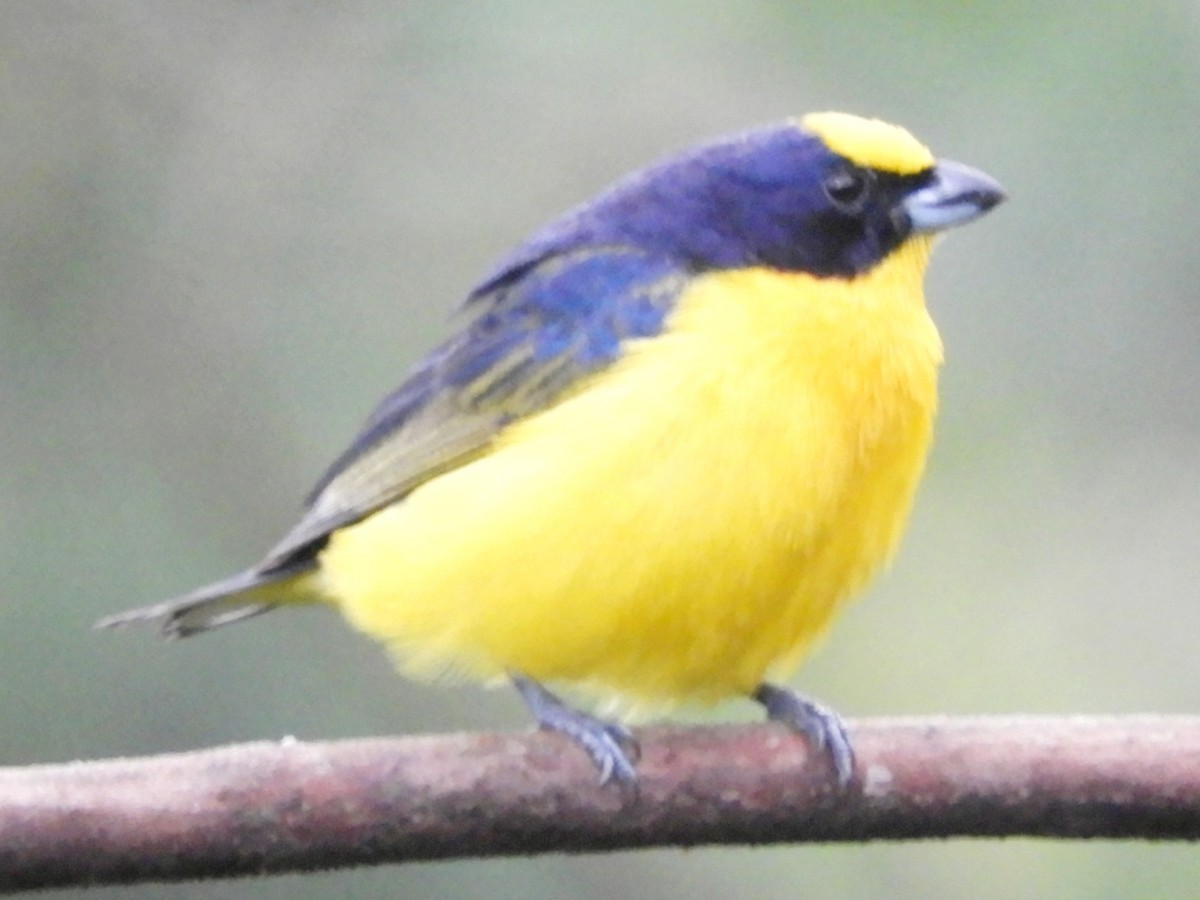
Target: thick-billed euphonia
683, 423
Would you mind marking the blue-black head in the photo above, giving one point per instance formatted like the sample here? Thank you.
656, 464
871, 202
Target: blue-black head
830, 195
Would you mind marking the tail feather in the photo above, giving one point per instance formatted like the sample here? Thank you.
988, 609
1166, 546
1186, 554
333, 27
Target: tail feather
249, 593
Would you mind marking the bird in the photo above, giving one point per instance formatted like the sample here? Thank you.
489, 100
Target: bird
674, 432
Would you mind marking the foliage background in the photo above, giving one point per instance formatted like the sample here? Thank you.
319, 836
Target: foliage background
227, 228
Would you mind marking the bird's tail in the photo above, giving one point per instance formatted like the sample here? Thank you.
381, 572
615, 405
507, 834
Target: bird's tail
230, 600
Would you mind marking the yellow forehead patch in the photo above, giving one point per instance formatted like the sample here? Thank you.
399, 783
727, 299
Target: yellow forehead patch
869, 142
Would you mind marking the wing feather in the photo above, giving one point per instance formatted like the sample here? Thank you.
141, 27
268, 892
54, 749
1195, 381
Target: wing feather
533, 337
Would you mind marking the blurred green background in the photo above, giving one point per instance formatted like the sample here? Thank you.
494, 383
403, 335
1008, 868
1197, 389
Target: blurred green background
227, 228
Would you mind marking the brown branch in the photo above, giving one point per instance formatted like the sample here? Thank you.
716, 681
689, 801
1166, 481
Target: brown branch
293, 806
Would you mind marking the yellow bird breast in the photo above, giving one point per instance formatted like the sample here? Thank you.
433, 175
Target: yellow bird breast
688, 522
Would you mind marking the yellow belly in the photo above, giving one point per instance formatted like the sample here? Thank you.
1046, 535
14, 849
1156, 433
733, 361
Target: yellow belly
685, 525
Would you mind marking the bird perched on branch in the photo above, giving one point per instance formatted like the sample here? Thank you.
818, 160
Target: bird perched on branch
682, 424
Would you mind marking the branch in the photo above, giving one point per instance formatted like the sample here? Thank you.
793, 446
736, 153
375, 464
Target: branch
294, 806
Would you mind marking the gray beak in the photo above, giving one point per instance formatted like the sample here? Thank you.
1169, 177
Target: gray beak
958, 194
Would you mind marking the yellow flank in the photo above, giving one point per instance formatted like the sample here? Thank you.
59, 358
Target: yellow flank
736, 478
869, 142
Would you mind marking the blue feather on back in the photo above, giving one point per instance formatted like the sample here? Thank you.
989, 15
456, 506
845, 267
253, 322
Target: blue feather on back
563, 319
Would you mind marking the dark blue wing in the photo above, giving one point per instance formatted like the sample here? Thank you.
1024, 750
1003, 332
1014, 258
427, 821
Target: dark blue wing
533, 334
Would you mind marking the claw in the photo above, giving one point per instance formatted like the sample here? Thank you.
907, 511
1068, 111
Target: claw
821, 726
611, 746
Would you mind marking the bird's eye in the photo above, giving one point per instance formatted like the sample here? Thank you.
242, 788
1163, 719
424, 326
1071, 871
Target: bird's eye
849, 189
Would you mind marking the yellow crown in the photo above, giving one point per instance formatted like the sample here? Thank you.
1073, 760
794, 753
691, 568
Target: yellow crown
869, 142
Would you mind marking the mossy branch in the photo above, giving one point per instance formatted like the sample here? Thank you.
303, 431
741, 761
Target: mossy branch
295, 806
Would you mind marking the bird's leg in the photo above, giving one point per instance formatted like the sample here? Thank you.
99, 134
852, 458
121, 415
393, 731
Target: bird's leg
611, 746
820, 725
